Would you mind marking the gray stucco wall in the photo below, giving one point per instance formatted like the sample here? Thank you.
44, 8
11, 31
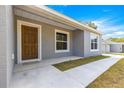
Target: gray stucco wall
48, 42
78, 43
116, 48
87, 45
6, 45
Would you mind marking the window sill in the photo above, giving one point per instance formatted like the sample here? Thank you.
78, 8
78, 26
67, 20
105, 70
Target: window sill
61, 51
94, 50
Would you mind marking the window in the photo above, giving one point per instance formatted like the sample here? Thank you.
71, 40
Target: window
62, 41
94, 41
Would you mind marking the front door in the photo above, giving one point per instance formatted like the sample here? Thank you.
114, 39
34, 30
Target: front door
28, 42
29, 36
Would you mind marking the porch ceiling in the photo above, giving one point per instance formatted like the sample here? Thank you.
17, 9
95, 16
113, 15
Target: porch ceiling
26, 12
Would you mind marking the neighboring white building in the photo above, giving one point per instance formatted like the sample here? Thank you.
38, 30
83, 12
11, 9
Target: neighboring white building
105, 47
117, 47
109, 46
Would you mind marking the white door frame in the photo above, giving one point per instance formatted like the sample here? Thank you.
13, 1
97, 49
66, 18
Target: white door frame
19, 48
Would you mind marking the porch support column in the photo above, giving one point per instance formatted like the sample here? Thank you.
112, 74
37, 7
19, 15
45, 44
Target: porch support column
78, 43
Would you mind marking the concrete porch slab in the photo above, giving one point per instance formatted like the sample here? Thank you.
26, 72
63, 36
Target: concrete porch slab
43, 63
48, 76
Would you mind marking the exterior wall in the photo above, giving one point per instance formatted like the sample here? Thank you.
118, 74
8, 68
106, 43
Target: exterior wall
6, 45
116, 48
87, 45
105, 48
48, 39
78, 43
48, 43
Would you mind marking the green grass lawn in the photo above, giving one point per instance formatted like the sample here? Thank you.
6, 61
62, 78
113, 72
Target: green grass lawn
112, 78
74, 63
121, 54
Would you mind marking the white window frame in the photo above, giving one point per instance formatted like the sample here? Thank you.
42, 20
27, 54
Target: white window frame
68, 41
19, 48
93, 34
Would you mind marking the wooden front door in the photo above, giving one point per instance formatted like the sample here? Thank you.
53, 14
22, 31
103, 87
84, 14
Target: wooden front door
29, 42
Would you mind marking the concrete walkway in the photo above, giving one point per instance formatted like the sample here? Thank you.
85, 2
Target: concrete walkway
51, 77
86, 74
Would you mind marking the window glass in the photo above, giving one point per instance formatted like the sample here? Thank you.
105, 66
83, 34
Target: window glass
61, 36
91, 45
61, 46
61, 41
94, 42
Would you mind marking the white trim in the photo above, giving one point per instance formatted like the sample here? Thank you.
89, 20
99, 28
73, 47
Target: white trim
68, 41
19, 23
94, 50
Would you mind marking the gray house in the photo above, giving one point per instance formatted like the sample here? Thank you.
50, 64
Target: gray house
36, 33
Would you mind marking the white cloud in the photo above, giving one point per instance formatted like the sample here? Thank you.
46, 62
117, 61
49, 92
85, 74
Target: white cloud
109, 27
114, 34
119, 33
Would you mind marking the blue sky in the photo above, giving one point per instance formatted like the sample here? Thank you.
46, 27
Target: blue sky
109, 19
